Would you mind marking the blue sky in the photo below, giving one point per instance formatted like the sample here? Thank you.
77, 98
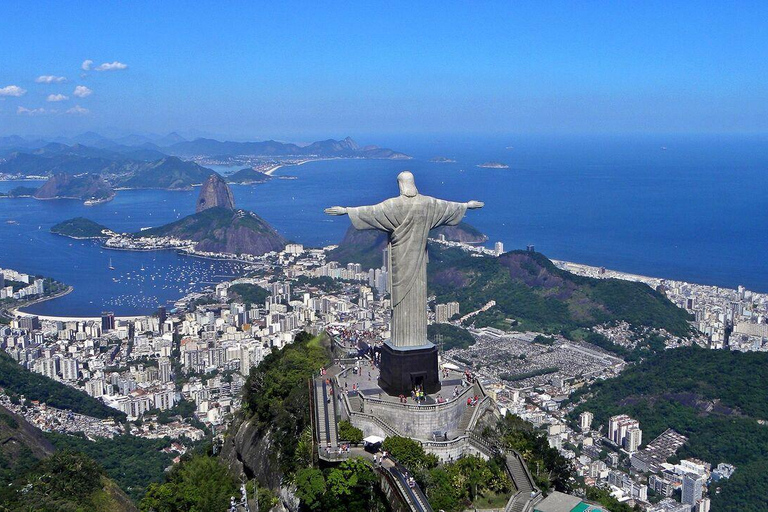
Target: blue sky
303, 70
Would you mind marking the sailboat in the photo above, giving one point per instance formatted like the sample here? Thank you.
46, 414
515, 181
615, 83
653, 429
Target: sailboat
110, 264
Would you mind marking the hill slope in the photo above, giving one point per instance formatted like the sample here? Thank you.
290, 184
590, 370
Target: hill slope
366, 246
20, 381
84, 186
80, 227
21, 446
248, 176
167, 173
529, 289
714, 397
222, 230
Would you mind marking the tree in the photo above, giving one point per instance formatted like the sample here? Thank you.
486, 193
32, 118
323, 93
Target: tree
196, 485
310, 487
349, 433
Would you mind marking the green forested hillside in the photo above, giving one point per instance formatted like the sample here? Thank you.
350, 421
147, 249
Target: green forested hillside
20, 381
133, 462
717, 398
65, 482
531, 291
79, 227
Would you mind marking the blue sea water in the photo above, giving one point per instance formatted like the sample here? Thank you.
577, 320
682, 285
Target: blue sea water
690, 208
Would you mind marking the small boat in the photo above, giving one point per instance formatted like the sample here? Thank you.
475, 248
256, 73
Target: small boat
111, 267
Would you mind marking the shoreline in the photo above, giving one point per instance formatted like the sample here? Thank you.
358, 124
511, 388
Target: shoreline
562, 264
18, 312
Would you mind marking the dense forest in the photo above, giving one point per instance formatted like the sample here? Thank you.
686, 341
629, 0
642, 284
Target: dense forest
717, 398
133, 462
66, 481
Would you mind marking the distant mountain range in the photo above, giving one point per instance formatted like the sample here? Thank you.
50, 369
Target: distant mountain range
151, 148
142, 162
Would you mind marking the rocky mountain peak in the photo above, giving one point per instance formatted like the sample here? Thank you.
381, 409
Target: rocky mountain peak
215, 193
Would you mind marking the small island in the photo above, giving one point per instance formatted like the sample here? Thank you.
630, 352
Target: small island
81, 228
247, 176
442, 160
494, 165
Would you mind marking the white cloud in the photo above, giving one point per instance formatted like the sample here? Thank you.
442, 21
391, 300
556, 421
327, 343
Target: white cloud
57, 97
111, 66
82, 91
50, 79
12, 90
86, 66
77, 109
30, 112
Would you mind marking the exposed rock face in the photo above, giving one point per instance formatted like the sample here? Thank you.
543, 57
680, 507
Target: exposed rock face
247, 453
215, 193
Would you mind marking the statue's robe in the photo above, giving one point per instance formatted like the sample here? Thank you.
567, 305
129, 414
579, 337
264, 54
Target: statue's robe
408, 221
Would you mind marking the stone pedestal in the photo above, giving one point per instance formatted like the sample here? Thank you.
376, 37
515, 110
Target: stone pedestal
404, 369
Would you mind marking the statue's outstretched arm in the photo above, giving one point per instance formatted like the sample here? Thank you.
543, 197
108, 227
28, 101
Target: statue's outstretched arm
336, 210
474, 205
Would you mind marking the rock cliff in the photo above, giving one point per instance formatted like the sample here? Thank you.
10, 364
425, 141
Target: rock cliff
215, 194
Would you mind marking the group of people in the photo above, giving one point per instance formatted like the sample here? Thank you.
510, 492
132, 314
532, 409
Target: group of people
340, 449
378, 458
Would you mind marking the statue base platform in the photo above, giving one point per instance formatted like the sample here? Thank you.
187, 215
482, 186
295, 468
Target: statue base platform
402, 370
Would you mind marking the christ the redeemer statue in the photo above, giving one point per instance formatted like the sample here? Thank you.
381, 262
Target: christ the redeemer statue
407, 219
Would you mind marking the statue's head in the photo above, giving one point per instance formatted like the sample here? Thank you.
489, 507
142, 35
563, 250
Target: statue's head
407, 184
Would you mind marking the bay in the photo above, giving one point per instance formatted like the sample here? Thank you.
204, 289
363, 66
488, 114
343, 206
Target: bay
681, 207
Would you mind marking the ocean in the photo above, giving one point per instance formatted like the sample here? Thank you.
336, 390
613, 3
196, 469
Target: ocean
687, 208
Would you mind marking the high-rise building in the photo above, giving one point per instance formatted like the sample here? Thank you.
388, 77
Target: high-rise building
498, 248
164, 369
70, 369
385, 259
107, 321
444, 312
693, 487
619, 426
633, 440
162, 316
29, 323
703, 505
585, 421
245, 361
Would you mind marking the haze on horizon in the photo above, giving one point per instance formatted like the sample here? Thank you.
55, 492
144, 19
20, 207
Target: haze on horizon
301, 71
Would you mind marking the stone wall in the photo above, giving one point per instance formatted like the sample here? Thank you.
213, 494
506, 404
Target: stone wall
418, 421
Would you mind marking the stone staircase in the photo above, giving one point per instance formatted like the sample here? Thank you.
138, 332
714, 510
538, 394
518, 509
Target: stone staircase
465, 419
325, 415
526, 493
